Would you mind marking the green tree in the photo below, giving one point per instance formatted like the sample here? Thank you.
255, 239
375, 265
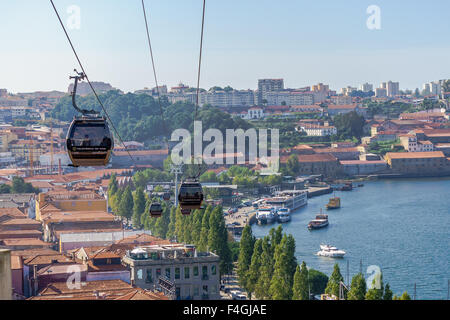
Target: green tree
125, 208
112, 185
387, 292
253, 272
358, 288
318, 281
218, 239
203, 241
283, 271
404, 296
138, 206
334, 282
246, 246
349, 125
4, 188
301, 283
265, 271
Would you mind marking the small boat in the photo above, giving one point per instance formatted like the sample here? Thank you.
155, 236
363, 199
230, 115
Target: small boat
330, 251
284, 215
334, 203
265, 215
348, 186
320, 221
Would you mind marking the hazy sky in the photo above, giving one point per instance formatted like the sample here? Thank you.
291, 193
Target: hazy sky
304, 42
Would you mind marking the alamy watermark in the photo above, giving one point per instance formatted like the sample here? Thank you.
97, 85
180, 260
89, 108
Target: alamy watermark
374, 280
74, 19
374, 20
234, 153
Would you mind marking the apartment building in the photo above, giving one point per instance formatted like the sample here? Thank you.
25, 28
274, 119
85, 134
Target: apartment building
268, 85
227, 99
194, 275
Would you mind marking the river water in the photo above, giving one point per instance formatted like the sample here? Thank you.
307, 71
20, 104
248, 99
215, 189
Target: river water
398, 225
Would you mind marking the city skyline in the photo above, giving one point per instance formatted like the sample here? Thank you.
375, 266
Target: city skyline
306, 45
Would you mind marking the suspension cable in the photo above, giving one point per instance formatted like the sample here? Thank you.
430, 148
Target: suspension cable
154, 74
200, 61
87, 79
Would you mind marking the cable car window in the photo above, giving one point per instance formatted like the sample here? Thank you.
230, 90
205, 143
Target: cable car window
90, 135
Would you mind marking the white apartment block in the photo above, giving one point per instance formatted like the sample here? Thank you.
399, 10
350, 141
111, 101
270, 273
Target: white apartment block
318, 130
366, 87
292, 98
223, 99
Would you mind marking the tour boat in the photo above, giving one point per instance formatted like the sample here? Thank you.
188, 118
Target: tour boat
321, 221
265, 215
334, 203
330, 251
284, 215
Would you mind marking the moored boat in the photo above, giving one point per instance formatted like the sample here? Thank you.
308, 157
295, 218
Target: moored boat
284, 215
266, 215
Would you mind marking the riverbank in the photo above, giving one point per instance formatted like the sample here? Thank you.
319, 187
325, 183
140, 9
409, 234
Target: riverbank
399, 225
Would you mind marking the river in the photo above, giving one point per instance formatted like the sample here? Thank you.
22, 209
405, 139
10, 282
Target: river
399, 225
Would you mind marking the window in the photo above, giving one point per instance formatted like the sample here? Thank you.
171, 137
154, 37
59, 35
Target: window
149, 278
168, 273
177, 273
205, 289
140, 274
214, 289
187, 273
213, 269
205, 273
196, 271
158, 273
196, 291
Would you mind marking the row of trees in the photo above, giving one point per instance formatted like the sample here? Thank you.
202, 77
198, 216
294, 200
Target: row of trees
204, 228
268, 269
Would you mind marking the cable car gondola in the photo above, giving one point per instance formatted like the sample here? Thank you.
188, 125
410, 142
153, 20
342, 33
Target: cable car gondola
190, 195
166, 196
89, 140
156, 209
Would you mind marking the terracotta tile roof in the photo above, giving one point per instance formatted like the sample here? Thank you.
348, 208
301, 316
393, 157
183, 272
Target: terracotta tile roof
55, 269
44, 259
58, 288
342, 106
415, 155
25, 242
27, 253
339, 150
140, 294
322, 157
12, 212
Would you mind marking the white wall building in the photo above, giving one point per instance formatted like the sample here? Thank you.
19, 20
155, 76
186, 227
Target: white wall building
318, 130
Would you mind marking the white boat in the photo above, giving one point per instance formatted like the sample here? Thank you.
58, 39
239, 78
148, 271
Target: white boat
291, 199
330, 251
284, 215
265, 215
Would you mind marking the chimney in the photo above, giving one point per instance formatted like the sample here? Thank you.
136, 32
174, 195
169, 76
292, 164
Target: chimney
5, 275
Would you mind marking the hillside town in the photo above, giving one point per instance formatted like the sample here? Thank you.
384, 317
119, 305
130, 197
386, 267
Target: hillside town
57, 220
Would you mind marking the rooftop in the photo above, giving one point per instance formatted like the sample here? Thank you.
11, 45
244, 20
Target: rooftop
415, 155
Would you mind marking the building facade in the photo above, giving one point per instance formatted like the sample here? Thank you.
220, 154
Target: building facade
194, 275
